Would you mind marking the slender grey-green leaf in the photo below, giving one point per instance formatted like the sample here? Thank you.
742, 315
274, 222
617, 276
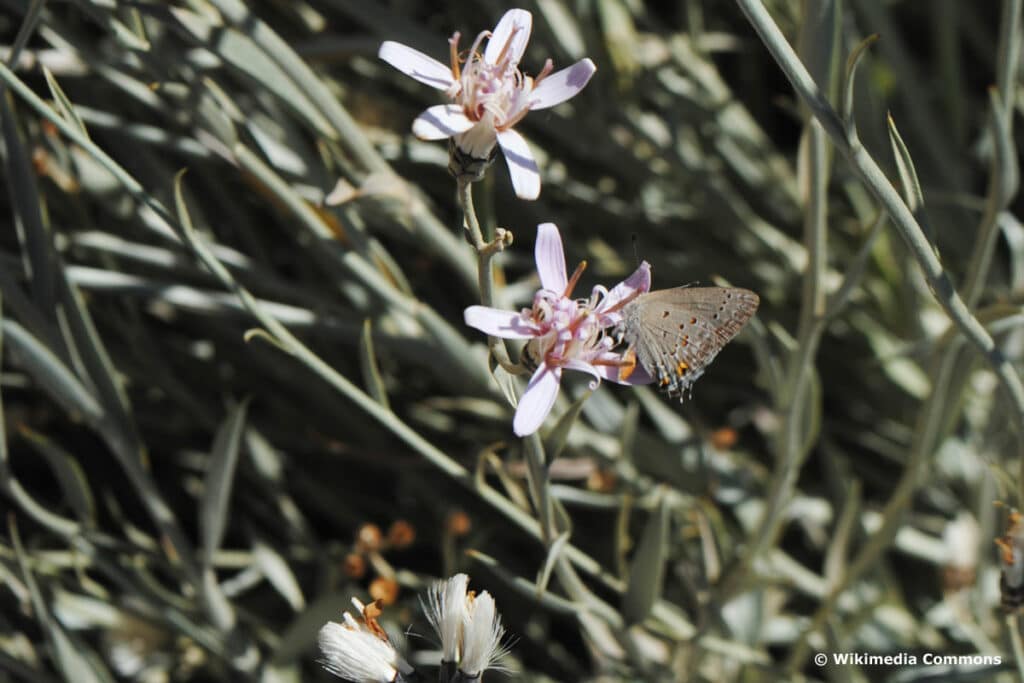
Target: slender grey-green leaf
94, 356
559, 434
647, 570
279, 574
220, 478
28, 216
69, 658
905, 165
64, 106
74, 485
368, 363
25, 31
553, 554
52, 375
247, 57
850, 79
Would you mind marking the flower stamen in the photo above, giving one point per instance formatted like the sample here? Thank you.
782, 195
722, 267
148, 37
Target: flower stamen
453, 51
575, 278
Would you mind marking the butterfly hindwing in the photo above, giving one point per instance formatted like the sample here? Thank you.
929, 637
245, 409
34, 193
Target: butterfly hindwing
677, 332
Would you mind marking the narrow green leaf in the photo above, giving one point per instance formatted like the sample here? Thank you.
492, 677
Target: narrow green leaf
73, 665
24, 194
559, 434
74, 485
905, 165
64, 106
25, 31
554, 552
217, 485
368, 364
247, 57
52, 375
849, 78
279, 574
93, 353
647, 571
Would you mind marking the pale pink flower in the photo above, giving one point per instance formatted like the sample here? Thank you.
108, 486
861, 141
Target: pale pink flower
489, 94
564, 332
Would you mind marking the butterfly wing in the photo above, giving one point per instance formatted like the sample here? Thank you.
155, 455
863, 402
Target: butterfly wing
676, 333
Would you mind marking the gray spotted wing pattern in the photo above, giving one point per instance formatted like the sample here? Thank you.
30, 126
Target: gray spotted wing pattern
676, 333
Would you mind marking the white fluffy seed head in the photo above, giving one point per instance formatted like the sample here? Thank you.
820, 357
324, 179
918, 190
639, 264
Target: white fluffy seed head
445, 609
356, 654
481, 636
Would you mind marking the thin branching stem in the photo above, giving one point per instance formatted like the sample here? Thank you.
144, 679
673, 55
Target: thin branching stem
485, 252
901, 216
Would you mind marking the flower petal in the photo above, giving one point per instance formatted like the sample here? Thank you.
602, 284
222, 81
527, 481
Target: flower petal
423, 68
499, 323
516, 25
441, 121
583, 366
561, 85
537, 400
550, 258
521, 165
637, 283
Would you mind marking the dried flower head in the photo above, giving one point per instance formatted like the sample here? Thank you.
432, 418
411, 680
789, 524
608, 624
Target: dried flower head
359, 649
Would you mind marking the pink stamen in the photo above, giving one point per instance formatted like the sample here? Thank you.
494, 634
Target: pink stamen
549, 66
505, 48
453, 49
575, 278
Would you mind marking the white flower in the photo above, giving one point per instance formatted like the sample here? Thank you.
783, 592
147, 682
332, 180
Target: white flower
482, 646
445, 609
489, 94
359, 650
468, 625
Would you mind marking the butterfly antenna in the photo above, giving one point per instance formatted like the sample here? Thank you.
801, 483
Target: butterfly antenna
636, 250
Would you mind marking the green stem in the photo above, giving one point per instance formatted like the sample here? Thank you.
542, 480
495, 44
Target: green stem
485, 252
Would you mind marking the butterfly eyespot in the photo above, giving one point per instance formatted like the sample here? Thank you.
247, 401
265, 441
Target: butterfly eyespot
665, 381
681, 368
664, 314
693, 321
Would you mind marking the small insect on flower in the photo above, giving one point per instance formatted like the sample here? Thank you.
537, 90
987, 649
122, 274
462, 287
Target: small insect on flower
359, 650
676, 333
489, 96
562, 332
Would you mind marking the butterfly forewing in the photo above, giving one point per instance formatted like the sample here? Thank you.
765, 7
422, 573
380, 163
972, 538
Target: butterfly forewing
677, 332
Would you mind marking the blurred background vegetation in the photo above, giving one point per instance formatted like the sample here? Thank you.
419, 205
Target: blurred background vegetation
188, 498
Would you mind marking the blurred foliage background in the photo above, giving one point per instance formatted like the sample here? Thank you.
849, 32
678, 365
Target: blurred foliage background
189, 499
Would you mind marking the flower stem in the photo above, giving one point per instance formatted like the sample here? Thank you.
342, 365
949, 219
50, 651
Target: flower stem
485, 252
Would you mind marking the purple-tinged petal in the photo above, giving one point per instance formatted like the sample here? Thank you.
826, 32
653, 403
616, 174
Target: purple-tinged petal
537, 400
498, 323
423, 68
515, 21
550, 258
584, 366
521, 165
561, 85
636, 284
441, 121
